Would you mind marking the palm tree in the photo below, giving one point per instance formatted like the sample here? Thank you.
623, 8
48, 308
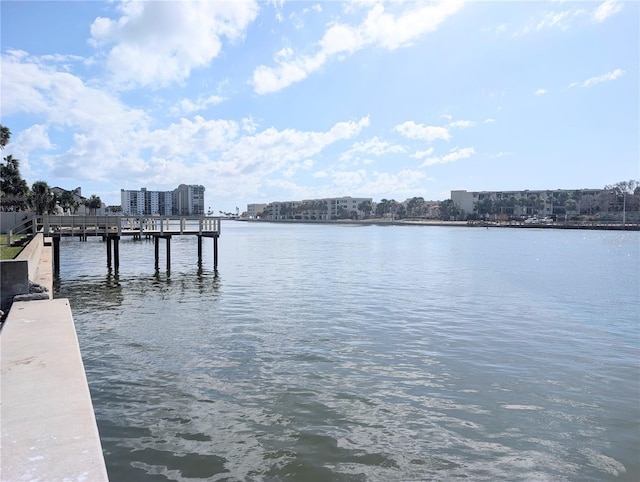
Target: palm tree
12, 183
68, 202
5, 135
365, 207
43, 201
93, 203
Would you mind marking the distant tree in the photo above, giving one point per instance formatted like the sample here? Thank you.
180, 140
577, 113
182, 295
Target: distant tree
449, 209
42, 200
382, 208
624, 195
365, 207
484, 207
415, 206
68, 202
93, 203
342, 213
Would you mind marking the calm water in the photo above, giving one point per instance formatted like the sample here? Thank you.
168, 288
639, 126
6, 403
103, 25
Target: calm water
355, 353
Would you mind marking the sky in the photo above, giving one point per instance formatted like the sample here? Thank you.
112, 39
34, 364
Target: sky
281, 101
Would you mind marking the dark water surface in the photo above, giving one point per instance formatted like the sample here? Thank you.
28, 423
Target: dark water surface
353, 353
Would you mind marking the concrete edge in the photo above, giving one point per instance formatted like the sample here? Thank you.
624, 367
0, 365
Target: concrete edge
49, 430
31, 253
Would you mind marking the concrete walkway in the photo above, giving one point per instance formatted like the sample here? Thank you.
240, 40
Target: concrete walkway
49, 431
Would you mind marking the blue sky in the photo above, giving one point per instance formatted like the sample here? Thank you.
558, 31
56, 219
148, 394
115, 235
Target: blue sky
278, 101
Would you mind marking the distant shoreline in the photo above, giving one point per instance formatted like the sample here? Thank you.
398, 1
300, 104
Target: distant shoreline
476, 224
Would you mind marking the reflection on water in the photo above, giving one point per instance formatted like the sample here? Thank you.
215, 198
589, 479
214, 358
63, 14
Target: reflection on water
347, 353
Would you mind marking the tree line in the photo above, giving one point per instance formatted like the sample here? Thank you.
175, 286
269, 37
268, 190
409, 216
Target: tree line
16, 195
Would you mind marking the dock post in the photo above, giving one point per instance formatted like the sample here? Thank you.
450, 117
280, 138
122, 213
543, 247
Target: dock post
215, 252
108, 240
56, 253
116, 252
199, 250
168, 253
156, 240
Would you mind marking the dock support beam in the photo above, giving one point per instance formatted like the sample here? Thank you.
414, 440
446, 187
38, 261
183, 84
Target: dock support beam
108, 240
56, 253
115, 242
199, 251
156, 240
215, 252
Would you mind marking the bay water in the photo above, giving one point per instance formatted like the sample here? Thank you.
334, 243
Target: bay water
364, 353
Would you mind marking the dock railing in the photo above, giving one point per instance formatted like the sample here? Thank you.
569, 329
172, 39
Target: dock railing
127, 225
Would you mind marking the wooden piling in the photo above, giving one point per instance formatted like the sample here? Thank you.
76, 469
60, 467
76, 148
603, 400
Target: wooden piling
56, 252
156, 242
116, 252
108, 240
215, 252
168, 238
157, 250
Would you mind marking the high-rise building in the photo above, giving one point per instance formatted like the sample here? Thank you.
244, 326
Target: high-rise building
147, 203
188, 200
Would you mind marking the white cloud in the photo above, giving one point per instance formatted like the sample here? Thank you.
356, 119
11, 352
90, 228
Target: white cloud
454, 155
373, 146
569, 17
488, 121
188, 106
31, 86
461, 123
379, 28
402, 184
540, 91
613, 75
158, 43
411, 130
116, 144
555, 19
422, 154
605, 10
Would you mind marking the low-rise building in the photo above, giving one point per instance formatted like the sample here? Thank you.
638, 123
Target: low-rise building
344, 207
558, 202
254, 211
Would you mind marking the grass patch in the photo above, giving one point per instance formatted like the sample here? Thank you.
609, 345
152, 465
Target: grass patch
8, 252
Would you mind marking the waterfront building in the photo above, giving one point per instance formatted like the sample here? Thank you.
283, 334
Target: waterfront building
344, 207
184, 200
255, 210
188, 200
552, 203
146, 203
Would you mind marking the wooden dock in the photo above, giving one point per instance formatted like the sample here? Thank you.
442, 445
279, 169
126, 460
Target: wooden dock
112, 228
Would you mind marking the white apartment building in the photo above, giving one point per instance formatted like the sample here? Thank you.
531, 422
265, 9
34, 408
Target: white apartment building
528, 202
146, 203
317, 209
188, 200
184, 200
255, 210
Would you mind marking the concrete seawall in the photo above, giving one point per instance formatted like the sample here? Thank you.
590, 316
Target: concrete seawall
49, 431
